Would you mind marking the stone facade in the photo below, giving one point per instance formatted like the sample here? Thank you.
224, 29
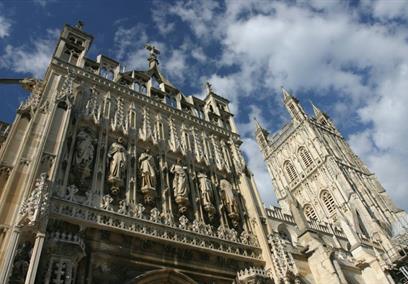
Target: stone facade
335, 223
113, 176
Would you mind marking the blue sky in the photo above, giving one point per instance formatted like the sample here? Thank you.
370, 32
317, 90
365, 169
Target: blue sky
349, 58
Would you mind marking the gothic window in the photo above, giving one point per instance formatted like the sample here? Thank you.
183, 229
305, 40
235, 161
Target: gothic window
290, 170
73, 39
161, 130
328, 201
305, 156
70, 55
309, 212
132, 119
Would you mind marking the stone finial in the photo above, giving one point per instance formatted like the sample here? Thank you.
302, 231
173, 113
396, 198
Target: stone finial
79, 25
285, 93
209, 88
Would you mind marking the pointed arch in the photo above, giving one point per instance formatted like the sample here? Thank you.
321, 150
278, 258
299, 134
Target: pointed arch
328, 201
305, 156
163, 276
290, 170
309, 212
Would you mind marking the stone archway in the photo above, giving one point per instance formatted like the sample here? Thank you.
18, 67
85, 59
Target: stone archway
162, 276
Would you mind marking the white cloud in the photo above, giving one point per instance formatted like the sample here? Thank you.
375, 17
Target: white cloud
5, 26
32, 59
388, 10
126, 38
43, 3
325, 48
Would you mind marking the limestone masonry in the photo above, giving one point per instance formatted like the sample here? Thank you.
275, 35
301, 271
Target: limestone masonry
114, 176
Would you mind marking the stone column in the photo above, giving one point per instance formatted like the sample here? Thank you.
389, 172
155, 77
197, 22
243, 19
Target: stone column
10, 254
35, 258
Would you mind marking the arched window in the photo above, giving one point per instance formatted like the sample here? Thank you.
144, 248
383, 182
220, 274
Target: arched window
328, 201
290, 170
309, 212
305, 156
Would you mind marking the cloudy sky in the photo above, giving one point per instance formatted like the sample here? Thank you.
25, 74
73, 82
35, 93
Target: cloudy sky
349, 58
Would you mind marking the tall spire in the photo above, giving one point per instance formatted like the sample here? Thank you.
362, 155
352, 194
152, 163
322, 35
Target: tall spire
261, 135
316, 110
293, 106
286, 95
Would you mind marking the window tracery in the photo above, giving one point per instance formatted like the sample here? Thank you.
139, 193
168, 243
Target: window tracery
328, 201
290, 170
309, 212
305, 156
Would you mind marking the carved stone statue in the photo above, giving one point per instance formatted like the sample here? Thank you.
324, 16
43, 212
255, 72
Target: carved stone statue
117, 164
148, 176
180, 185
84, 154
229, 200
147, 169
207, 194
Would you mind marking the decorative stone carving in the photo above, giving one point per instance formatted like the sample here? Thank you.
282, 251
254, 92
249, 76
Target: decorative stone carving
180, 185
93, 108
107, 202
123, 207
67, 90
137, 224
146, 133
138, 211
183, 222
117, 165
72, 190
229, 200
155, 215
119, 122
207, 195
174, 142
148, 176
35, 208
254, 275
35, 87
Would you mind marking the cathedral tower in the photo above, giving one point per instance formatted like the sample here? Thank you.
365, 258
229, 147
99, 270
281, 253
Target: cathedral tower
314, 168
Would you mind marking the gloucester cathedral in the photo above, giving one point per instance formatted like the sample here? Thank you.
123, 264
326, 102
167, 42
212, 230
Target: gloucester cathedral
114, 176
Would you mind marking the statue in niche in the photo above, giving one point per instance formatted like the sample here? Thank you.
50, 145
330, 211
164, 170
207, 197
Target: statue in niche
207, 194
148, 176
84, 154
118, 160
180, 185
21, 262
229, 200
